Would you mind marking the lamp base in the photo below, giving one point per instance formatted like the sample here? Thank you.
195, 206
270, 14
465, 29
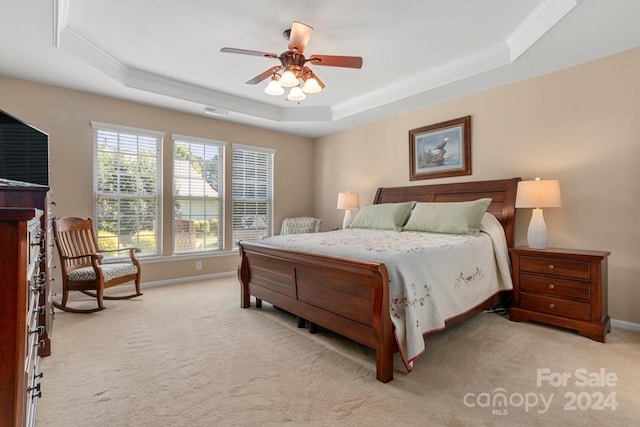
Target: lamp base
346, 222
537, 232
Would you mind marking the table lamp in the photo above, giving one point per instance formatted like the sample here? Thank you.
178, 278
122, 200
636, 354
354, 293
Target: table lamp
538, 194
348, 201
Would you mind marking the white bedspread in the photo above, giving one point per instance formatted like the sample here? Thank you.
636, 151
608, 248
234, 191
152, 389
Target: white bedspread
432, 277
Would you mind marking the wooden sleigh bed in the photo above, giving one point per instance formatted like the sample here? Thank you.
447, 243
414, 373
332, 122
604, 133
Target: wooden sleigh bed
351, 297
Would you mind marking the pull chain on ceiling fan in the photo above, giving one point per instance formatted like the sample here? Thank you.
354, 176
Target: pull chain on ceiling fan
293, 72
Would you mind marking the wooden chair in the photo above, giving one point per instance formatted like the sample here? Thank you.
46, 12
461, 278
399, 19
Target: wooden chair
82, 267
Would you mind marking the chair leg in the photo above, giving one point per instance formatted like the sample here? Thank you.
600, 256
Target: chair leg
65, 296
138, 293
62, 305
99, 296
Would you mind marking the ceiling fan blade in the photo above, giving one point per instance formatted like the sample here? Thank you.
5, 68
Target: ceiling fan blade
260, 77
299, 37
248, 52
337, 61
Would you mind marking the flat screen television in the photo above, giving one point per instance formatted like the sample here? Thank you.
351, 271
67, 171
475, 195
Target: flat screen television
24, 151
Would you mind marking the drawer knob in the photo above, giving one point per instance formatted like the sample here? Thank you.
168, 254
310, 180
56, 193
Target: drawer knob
551, 286
551, 266
552, 306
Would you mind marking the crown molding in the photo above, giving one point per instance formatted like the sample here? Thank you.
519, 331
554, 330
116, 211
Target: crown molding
60, 15
433, 78
544, 17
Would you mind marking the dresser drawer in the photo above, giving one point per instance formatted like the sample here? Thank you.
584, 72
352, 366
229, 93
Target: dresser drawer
556, 306
556, 267
555, 287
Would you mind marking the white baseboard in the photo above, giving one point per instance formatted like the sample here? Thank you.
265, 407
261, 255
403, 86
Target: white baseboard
188, 279
625, 325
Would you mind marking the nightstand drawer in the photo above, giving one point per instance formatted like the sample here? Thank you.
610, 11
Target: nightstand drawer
556, 267
555, 287
556, 306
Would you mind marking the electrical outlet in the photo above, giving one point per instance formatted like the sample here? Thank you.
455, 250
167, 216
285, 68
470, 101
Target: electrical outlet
198, 265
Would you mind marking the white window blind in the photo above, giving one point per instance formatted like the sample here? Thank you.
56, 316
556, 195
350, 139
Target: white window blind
252, 192
127, 187
198, 187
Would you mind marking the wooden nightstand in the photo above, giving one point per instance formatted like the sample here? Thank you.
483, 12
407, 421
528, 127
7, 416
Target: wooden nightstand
561, 287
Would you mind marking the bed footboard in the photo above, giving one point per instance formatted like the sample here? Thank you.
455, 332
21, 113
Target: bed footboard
348, 297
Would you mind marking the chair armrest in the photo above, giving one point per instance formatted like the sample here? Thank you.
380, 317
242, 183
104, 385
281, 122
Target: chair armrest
96, 260
132, 252
120, 250
93, 256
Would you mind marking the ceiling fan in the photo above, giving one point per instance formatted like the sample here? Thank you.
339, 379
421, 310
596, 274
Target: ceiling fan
293, 70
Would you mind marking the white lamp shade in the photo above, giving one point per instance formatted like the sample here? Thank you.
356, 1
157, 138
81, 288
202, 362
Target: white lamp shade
296, 94
288, 79
274, 88
311, 86
538, 194
348, 201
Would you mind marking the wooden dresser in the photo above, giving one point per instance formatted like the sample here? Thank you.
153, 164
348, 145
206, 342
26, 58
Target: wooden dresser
21, 195
561, 287
22, 285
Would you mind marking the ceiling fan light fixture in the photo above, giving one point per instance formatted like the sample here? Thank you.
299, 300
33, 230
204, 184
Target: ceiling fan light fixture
311, 85
288, 79
296, 94
295, 73
274, 88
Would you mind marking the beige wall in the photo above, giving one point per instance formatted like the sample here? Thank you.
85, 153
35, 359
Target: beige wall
580, 125
66, 116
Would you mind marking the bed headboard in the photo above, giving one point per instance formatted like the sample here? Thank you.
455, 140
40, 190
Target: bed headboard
502, 193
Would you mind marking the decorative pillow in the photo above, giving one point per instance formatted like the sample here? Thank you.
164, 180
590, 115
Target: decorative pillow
383, 216
448, 217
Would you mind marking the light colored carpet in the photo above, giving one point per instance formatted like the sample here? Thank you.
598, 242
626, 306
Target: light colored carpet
188, 355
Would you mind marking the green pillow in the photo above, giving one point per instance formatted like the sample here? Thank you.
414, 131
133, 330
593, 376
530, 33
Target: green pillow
383, 216
448, 217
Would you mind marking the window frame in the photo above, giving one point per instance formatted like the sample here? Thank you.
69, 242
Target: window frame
157, 195
221, 146
269, 190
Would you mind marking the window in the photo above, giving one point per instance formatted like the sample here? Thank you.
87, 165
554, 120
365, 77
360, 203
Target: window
127, 187
198, 188
252, 192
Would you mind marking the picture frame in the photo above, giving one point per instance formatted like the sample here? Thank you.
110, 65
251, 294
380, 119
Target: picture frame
440, 150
